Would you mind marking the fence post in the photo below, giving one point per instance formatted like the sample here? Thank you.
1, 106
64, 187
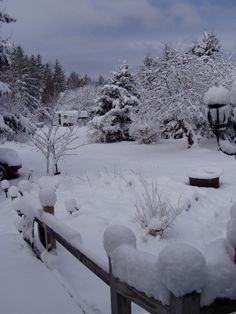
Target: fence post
189, 304
50, 241
47, 198
119, 304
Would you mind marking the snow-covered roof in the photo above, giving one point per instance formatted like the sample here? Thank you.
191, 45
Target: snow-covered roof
68, 112
83, 114
217, 95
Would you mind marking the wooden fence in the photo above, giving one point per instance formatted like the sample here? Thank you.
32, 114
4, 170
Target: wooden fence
121, 293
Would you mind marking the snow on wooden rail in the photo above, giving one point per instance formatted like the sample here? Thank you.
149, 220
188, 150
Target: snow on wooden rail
133, 275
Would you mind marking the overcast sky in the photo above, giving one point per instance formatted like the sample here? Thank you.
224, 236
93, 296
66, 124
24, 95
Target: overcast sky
94, 36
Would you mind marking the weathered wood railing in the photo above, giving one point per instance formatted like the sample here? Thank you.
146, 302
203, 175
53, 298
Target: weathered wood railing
122, 294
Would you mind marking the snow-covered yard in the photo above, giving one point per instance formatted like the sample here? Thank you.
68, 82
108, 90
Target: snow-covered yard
108, 181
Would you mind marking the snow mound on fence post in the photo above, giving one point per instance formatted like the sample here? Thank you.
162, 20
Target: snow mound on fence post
47, 197
217, 95
137, 268
24, 186
13, 191
182, 269
117, 235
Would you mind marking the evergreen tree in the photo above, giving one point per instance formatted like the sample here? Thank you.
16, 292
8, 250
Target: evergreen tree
5, 47
59, 79
208, 47
115, 105
73, 81
23, 84
101, 81
48, 85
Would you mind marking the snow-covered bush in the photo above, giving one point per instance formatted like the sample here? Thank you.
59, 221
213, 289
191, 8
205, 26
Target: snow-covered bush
71, 205
145, 130
156, 209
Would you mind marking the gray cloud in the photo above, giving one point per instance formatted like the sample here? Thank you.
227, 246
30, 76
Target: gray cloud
93, 36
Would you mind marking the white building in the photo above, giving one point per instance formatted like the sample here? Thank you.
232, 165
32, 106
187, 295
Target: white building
66, 117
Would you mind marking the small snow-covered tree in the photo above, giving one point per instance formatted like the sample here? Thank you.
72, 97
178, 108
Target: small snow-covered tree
83, 98
55, 142
117, 101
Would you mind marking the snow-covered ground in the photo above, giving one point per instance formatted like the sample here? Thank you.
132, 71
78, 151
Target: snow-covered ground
107, 181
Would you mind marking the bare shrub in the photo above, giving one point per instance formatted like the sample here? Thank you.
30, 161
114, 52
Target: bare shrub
155, 213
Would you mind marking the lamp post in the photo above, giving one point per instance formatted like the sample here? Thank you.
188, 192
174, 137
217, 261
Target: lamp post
218, 117
217, 98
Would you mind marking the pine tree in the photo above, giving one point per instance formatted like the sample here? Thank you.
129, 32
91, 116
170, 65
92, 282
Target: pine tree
117, 101
5, 47
73, 81
48, 85
208, 47
59, 79
23, 84
101, 81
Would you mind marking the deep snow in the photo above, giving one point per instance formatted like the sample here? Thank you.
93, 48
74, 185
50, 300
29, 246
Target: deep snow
103, 179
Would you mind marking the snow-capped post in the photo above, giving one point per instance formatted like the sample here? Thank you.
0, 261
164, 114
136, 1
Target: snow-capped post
30, 175
183, 270
47, 198
5, 186
113, 237
24, 186
13, 192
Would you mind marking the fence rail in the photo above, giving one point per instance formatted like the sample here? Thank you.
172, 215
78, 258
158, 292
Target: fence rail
122, 294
